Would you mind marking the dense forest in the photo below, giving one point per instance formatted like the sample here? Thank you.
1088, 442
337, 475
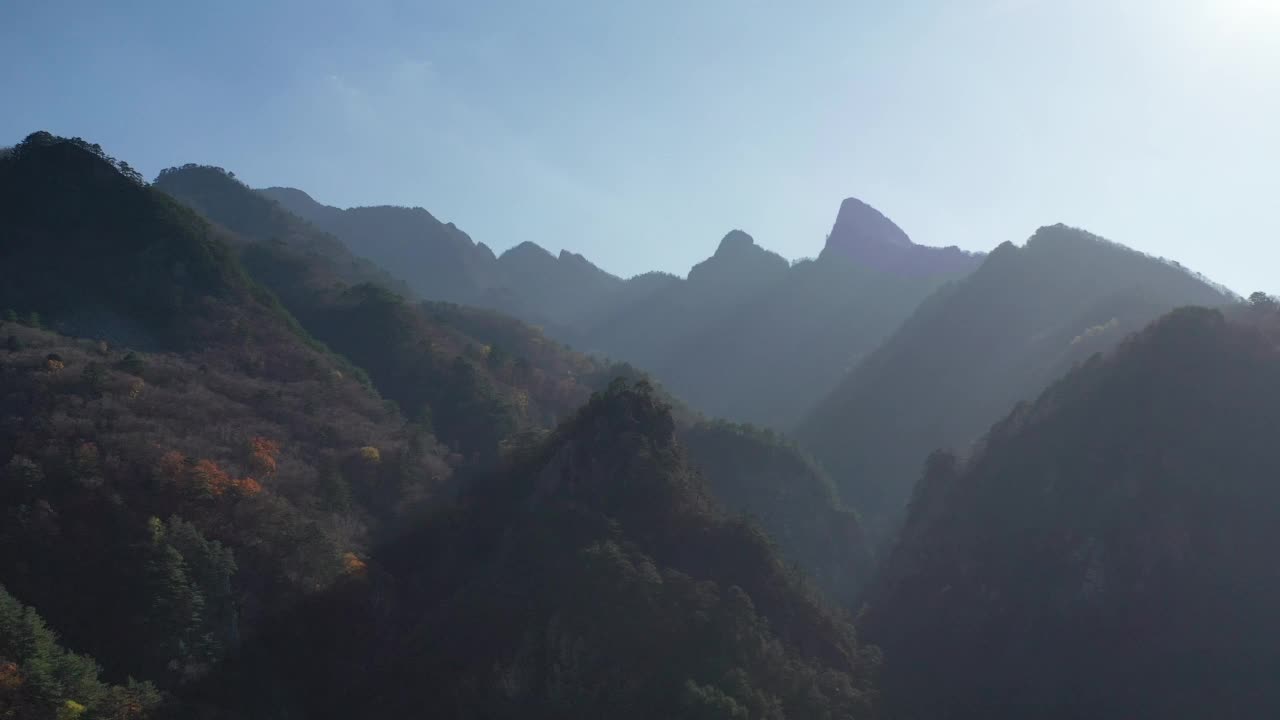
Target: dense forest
591, 576
976, 347
216, 471
1105, 552
265, 458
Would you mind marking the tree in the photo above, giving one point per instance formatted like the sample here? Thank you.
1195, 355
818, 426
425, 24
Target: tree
1262, 300
33, 320
94, 377
132, 364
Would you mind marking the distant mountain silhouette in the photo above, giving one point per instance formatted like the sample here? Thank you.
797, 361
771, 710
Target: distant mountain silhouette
435, 260
746, 335
1107, 551
863, 235
976, 347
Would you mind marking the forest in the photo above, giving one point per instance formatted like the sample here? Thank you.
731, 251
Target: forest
262, 458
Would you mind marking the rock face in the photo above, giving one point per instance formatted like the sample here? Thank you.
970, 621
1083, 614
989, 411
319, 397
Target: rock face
863, 235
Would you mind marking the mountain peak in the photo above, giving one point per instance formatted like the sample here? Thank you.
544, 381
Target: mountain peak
859, 227
864, 235
735, 241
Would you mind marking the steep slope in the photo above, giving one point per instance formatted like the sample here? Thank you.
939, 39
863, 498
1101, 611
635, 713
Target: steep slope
477, 378
435, 260
41, 680
440, 262
760, 474
205, 189
473, 376
748, 338
1107, 552
155, 508
592, 578
744, 336
975, 348
92, 248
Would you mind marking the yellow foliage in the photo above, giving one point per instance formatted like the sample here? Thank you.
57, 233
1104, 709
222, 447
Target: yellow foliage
70, 710
371, 455
54, 366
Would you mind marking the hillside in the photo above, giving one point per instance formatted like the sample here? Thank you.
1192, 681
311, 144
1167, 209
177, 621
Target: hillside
478, 378
156, 507
592, 577
1106, 552
761, 475
474, 376
975, 348
435, 260
745, 336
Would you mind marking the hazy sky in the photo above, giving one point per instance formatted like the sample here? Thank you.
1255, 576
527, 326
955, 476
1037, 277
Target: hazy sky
638, 133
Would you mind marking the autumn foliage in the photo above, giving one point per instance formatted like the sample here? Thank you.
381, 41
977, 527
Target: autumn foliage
208, 478
262, 455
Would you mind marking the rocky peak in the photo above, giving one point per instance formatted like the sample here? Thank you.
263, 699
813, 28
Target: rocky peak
864, 236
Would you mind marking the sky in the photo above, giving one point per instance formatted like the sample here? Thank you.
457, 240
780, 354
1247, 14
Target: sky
639, 133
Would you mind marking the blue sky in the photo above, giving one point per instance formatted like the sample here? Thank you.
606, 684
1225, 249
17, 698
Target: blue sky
638, 133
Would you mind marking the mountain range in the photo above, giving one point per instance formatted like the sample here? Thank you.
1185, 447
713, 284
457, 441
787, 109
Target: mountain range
264, 458
733, 323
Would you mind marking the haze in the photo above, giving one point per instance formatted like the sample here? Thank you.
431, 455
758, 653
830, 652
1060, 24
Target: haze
638, 135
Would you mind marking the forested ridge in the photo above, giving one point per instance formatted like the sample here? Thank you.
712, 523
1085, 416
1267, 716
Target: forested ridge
746, 335
975, 348
1106, 548
246, 472
287, 437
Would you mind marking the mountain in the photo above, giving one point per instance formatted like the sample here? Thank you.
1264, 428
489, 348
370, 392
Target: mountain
745, 336
473, 376
477, 378
200, 187
789, 334
592, 577
761, 475
438, 261
978, 346
1106, 551
435, 260
157, 507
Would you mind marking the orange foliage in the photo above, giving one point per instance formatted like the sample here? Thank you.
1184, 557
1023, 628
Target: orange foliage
206, 476
262, 455
171, 465
10, 677
353, 565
